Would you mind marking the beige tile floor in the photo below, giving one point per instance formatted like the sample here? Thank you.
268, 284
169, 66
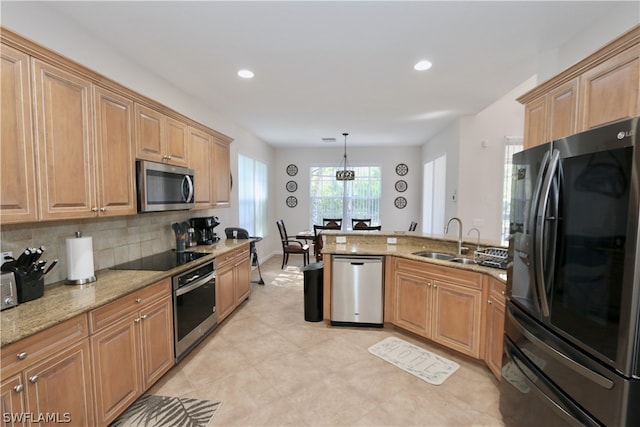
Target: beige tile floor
270, 367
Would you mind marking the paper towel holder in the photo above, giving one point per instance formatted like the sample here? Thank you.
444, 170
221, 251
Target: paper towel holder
80, 281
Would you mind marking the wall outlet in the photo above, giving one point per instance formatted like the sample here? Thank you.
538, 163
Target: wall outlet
391, 240
5, 255
341, 239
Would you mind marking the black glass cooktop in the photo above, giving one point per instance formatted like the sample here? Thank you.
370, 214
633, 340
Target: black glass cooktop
161, 262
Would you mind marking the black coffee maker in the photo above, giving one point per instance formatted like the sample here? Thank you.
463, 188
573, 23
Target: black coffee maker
203, 228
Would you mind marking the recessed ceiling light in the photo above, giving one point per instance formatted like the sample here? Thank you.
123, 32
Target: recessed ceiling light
246, 74
422, 65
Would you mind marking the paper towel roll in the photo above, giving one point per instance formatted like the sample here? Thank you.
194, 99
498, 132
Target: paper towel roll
80, 260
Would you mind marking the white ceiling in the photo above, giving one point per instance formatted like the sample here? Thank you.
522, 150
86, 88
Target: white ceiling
323, 68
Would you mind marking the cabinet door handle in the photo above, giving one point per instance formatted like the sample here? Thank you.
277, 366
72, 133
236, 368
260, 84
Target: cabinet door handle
34, 378
137, 320
435, 286
138, 300
489, 302
103, 209
144, 316
18, 388
22, 355
94, 209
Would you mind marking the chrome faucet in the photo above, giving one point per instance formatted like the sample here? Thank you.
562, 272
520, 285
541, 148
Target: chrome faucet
478, 231
446, 230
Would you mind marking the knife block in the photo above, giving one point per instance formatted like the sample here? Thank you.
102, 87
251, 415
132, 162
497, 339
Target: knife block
28, 288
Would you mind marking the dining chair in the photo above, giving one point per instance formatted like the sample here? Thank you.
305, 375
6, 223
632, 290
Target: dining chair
291, 246
413, 226
336, 222
242, 233
359, 223
317, 242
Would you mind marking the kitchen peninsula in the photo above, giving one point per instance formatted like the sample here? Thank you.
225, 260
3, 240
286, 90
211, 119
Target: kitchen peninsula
459, 305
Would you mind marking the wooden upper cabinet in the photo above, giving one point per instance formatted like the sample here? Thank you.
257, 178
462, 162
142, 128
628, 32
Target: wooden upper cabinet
201, 149
160, 138
610, 91
149, 132
115, 153
601, 89
64, 122
18, 189
177, 142
552, 116
221, 174
562, 105
535, 115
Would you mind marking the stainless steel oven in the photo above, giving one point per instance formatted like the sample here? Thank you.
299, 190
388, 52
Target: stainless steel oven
194, 307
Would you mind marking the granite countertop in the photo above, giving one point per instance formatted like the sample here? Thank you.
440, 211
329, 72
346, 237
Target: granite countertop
376, 243
61, 302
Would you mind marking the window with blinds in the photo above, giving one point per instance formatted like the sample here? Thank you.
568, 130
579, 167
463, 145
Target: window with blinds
509, 150
359, 198
252, 196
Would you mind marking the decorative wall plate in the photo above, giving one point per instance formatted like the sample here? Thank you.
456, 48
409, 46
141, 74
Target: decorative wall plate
400, 202
292, 186
292, 201
401, 185
402, 169
292, 170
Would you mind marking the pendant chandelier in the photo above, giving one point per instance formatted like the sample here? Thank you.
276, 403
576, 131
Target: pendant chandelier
345, 174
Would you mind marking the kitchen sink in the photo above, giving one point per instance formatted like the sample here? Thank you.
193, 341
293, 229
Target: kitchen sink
435, 255
463, 261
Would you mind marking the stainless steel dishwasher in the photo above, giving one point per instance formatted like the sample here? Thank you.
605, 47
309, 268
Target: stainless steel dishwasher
357, 293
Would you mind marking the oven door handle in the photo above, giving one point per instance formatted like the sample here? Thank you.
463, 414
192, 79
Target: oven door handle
192, 286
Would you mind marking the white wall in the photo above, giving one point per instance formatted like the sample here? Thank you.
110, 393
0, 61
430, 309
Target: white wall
446, 142
621, 18
391, 218
481, 161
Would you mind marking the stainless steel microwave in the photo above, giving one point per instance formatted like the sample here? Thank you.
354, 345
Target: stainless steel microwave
163, 187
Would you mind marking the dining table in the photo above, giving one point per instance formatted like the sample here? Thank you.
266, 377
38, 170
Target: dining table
305, 235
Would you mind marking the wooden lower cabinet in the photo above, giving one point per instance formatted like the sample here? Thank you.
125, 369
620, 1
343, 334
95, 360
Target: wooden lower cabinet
46, 377
440, 303
233, 280
495, 325
132, 347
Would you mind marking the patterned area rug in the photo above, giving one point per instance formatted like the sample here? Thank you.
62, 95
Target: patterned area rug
162, 411
417, 361
291, 277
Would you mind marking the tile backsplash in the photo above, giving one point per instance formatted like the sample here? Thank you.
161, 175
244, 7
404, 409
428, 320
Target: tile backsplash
115, 240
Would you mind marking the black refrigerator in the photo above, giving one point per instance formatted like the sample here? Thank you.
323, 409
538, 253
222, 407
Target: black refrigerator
571, 343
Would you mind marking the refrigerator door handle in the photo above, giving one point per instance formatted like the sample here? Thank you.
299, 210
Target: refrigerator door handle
530, 224
541, 219
558, 403
561, 357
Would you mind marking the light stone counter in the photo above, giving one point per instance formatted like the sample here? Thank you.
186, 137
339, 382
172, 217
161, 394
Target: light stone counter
376, 243
61, 302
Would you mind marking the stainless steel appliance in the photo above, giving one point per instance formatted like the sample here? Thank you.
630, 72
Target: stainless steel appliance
163, 187
194, 307
8, 291
194, 295
204, 229
357, 294
572, 344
